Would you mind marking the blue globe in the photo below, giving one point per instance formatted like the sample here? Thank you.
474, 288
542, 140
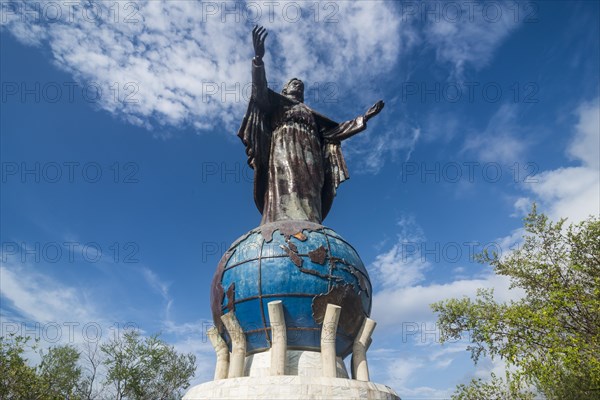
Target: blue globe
306, 266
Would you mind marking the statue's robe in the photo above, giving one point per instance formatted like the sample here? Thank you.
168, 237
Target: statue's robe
295, 153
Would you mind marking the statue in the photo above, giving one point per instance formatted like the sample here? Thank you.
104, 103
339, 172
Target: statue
291, 298
295, 152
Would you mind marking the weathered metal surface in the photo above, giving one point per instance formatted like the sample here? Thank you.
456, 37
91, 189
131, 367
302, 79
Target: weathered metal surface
295, 152
263, 271
300, 236
230, 293
318, 255
292, 254
292, 246
288, 228
217, 293
344, 296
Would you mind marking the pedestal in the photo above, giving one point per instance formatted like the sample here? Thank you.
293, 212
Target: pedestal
290, 388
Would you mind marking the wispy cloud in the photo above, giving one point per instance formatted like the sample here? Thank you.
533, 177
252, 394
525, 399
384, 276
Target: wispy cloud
574, 192
402, 265
502, 140
39, 298
404, 295
464, 36
387, 141
174, 63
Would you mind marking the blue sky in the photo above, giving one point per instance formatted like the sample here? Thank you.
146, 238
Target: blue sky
123, 181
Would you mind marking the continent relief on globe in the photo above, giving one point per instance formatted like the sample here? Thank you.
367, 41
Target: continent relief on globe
306, 266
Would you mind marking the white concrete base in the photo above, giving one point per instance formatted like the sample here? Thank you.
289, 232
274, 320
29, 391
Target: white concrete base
297, 362
290, 388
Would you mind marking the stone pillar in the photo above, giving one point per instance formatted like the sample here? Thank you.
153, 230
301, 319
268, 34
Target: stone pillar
278, 338
222, 367
238, 345
328, 336
360, 368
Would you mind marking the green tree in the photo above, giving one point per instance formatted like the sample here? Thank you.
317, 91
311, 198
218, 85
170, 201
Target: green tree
18, 380
550, 338
146, 368
493, 389
60, 373
57, 377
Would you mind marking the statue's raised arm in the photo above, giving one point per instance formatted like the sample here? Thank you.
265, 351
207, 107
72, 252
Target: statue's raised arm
260, 92
259, 34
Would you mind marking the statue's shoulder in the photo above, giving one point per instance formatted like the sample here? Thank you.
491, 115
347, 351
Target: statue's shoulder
280, 101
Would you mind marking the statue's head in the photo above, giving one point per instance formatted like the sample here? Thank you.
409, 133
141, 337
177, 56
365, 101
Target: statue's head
294, 89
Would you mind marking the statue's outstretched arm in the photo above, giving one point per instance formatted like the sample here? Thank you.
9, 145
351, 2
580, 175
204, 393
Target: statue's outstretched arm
260, 92
350, 128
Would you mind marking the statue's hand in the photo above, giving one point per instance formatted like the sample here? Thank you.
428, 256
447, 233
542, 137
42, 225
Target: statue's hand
258, 39
374, 110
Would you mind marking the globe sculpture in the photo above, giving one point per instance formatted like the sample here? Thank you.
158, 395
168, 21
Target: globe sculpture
291, 298
306, 266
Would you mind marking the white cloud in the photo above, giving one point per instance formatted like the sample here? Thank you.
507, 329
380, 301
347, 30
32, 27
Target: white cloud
403, 297
585, 146
402, 372
371, 149
397, 307
402, 369
402, 265
39, 298
174, 61
574, 192
468, 33
502, 139
522, 206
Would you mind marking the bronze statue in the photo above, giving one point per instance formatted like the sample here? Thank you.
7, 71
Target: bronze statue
295, 152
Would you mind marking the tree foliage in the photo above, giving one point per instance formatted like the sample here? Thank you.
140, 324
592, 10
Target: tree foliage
60, 373
493, 389
550, 338
146, 368
18, 380
129, 367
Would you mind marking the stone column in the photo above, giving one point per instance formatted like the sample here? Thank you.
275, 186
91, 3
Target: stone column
222, 367
360, 368
328, 336
278, 338
238, 344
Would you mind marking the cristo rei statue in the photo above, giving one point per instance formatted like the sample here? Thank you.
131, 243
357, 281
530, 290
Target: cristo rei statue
291, 298
295, 152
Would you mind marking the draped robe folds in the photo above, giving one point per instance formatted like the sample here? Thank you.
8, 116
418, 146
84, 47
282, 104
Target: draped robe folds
295, 153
